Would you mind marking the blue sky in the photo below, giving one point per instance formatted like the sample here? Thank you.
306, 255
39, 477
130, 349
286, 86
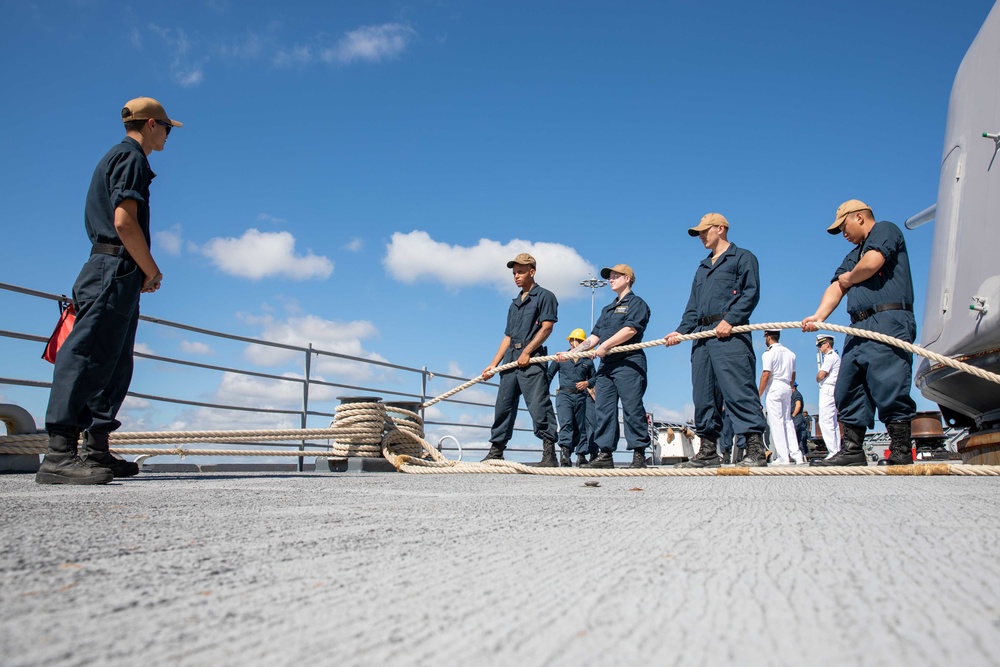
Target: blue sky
356, 175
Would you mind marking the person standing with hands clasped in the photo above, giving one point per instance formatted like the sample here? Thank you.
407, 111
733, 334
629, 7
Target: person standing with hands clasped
93, 369
875, 278
724, 293
530, 318
621, 376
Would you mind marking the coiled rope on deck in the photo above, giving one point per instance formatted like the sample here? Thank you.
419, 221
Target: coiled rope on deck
366, 429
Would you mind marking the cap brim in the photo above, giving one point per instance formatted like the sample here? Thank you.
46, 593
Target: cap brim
835, 227
175, 123
605, 273
694, 231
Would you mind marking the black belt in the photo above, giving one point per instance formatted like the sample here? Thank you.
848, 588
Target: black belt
711, 319
860, 315
540, 352
110, 249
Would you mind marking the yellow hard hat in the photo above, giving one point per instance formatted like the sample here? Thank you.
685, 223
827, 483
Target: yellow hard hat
576, 334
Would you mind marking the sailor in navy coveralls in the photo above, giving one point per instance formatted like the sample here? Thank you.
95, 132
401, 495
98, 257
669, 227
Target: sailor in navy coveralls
575, 378
724, 293
622, 375
530, 318
875, 277
94, 366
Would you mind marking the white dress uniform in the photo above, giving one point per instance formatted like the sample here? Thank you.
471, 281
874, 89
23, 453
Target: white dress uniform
780, 361
829, 427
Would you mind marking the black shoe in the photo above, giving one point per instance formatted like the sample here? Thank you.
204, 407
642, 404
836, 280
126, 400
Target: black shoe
901, 446
495, 453
755, 455
638, 458
95, 453
548, 455
581, 460
852, 449
565, 457
707, 456
61, 465
842, 458
602, 460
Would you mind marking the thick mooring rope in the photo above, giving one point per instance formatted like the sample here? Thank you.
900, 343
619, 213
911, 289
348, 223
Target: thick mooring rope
368, 429
861, 333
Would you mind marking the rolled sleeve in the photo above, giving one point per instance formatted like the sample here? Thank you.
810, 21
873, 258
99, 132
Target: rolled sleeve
127, 179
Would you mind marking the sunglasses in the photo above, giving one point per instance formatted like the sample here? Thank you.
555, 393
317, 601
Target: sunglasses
166, 125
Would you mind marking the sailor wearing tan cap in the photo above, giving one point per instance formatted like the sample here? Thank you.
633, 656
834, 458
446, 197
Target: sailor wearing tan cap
875, 277
530, 318
829, 371
776, 380
621, 376
94, 366
724, 293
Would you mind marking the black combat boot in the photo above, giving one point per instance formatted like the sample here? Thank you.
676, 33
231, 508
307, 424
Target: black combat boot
602, 460
638, 458
901, 445
495, 453
852, 448
565, 454
581, 460
756, 454
706, 457
548, 455
61, 465
95, 452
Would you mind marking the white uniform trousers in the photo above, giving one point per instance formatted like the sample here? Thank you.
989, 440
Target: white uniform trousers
829, 427
784, 444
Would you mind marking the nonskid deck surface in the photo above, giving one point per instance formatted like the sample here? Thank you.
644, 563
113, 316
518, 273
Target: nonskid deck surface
391, 569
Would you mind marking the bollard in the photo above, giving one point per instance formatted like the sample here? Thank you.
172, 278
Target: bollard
18, 422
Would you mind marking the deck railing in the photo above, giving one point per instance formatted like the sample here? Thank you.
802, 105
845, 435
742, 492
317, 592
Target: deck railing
315, 408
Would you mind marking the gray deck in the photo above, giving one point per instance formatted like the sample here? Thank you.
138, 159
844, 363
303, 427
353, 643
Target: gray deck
393, 569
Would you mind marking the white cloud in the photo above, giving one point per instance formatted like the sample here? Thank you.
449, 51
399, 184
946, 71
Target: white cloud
189, 55
169, 240
371, 43
354, 245
270, 219
664, 414
416, 256
145, 349
257, 255
329, 336
185, 69
193, 347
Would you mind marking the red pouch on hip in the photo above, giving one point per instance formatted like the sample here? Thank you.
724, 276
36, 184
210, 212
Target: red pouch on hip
67, 317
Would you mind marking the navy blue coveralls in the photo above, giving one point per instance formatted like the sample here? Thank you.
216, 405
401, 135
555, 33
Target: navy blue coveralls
874, 374
524, 320
801, 426
723, 370
93, 369
622, 376
571, 403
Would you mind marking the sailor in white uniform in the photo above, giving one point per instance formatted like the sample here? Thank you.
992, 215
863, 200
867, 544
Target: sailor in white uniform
829, 369
776, 380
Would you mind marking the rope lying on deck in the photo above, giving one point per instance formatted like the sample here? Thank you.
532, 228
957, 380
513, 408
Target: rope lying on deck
367, 429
